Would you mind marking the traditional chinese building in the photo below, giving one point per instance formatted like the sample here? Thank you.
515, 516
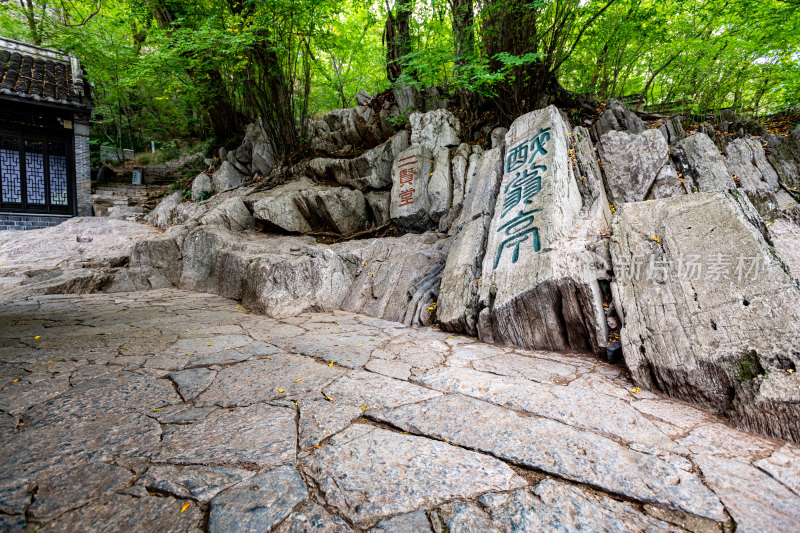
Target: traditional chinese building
45, 109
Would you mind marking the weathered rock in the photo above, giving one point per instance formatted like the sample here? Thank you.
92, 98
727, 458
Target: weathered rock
371, 170
499, 137
313, 518
363, 97
616, 117
226, 177
201, 186
379, 205
672, 130
751, 497
558, 449
321, 418
392, 369
538, 279
278, 208
192, 382
389, 272
707, 307
372, 391
263, 158
637, 166
259, 436
200, 483
416, 522
337, 209
457, 308
411, 201
747, 163
435, 129
259, 503
73, 487
231, 214
784, 154
368, 473
163, 214
702, 166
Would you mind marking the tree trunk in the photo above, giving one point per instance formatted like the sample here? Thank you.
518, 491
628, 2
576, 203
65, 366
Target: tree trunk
397, 36
463, 34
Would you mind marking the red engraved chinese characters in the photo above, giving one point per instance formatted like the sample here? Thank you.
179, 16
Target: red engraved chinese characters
406, 167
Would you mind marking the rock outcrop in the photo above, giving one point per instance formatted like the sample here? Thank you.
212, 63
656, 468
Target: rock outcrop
699, 162
710, 313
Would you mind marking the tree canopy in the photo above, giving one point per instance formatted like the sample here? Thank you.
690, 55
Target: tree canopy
167, 70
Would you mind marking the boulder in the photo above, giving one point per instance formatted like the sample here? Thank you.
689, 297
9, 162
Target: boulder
672, 130
162, 215
263, 157
440, 185
710, 314
539, 287
435, 129
616, 116
748, 164
231, 214
371, 170
637, 166
201, 185
379, 204
499, 137
226, 177
363, 97
278, 210
407, 97
701, 165
411, 202
457, 307
336, 209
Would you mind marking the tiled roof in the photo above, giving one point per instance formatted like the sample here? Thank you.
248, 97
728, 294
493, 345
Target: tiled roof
41, 75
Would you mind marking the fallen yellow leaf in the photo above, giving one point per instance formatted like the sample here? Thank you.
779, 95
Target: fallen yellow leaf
185, 506
280, 390
330, 364
298, 380
363, 408
329, 398
14, 380
37, 336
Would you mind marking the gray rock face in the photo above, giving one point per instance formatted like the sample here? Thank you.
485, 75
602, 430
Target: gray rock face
616, 117
710, 314
226, 177
457, 308
407, 473
747, 163
227, 438
499, 137
163, 214
201, 184
784, 154
259, 503
701, 165
637, 166
538, 280
231, 214
752, 497
558, 449
435, 129
672, 130
379, 204
371, 170
279, 210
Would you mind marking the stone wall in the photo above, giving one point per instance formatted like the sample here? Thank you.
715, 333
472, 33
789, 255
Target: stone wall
24, 222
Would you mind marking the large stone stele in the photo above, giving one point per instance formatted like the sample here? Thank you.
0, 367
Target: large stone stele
421, 191
539, 285
710, 314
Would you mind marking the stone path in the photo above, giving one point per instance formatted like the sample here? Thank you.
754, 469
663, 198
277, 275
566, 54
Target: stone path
175, 411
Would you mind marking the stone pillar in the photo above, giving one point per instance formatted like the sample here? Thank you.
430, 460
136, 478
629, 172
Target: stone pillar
83, 172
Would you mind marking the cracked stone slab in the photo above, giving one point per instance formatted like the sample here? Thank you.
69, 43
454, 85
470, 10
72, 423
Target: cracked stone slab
422, 354
374, 391
259, 435
550, 506
558, 449
348, 349
313, 518
237, 355
105, 439
207, 345
104, 397
70, 488
124, 513
16, 398
192, 382
259, 503
725, 441
392, 369
319, 419
753, 498
199, 483
368, 473
784, 465
586, 410
541, 370
181, 414
263, 379
416, 522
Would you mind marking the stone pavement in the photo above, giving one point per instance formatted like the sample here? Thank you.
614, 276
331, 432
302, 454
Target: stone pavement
168, 410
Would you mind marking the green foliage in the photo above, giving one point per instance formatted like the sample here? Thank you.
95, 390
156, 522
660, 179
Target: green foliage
204, 195
749, 366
